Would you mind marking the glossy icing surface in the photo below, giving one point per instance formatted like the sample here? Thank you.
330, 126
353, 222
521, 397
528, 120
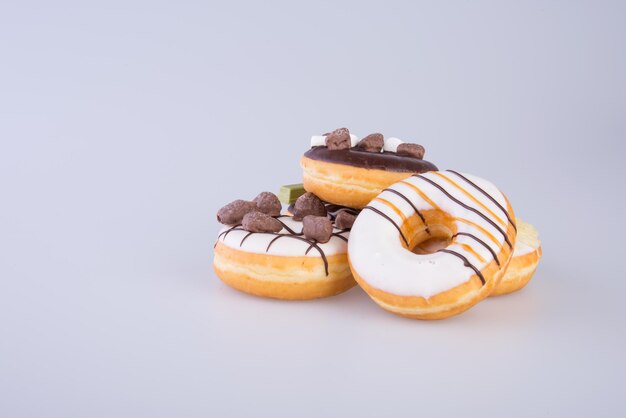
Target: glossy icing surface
376, 247
380, 161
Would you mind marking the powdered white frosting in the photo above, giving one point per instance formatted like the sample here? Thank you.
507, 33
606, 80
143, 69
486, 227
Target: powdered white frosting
376, 251
290, 247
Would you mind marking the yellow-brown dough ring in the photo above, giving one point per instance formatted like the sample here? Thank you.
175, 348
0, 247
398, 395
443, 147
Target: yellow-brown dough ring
524, 262
285, 265
353, 178
395, 258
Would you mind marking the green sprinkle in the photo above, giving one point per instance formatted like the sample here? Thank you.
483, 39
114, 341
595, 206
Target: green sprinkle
289, 193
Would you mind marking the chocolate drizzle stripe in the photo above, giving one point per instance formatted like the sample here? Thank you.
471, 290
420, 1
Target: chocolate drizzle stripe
480, 241
291, 231
225, 233
317, 247
245, 238
406, 199
393, 208
373, 209
480, 228
421, 194
477, 212
295, 236
333, 210
311, 245
466, 263
338, 234
274, 240
506, 213
469, 195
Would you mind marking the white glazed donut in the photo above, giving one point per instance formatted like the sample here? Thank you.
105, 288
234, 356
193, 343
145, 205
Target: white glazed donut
433, 245
283, 265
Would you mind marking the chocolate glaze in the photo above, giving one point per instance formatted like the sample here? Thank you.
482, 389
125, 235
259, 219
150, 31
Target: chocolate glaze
388, 161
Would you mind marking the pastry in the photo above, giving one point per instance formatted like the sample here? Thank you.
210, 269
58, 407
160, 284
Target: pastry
342, 170
524, 261
277, 256
433, 245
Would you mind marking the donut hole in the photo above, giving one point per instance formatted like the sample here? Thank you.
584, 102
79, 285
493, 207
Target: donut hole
431, 245
427, 240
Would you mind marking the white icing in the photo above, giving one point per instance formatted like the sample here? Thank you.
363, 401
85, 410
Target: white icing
527, 239
521, 248
376, 249
391, 144
318, 141
354, 140
290, 247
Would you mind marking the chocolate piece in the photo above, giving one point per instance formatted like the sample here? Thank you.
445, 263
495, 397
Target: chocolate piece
268, 203
412, 150
344, 219
372, 143
355, 157
308, 204
318, 228
233, 213
260, 222
289, 193
338, 139
333, 210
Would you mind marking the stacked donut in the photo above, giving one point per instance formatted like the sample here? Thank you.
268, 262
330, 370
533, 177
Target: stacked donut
422, 243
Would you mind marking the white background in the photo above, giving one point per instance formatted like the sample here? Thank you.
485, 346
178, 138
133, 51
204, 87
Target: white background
124, 126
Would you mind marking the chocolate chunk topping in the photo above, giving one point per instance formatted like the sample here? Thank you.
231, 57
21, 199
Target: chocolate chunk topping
268, 203
233, 213
308, 204
344, 220
338, 139
412, 150
372, 143
260, 222
318, 228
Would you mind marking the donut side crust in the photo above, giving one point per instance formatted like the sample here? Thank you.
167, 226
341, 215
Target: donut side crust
346, 185
445, 304
281, 277
521, 269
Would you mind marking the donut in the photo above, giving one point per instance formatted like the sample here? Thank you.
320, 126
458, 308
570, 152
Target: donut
285, 264
353, 176
432, 245
524, 262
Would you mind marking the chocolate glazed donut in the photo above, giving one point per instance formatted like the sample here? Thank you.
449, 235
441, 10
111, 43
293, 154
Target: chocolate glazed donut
353, 177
